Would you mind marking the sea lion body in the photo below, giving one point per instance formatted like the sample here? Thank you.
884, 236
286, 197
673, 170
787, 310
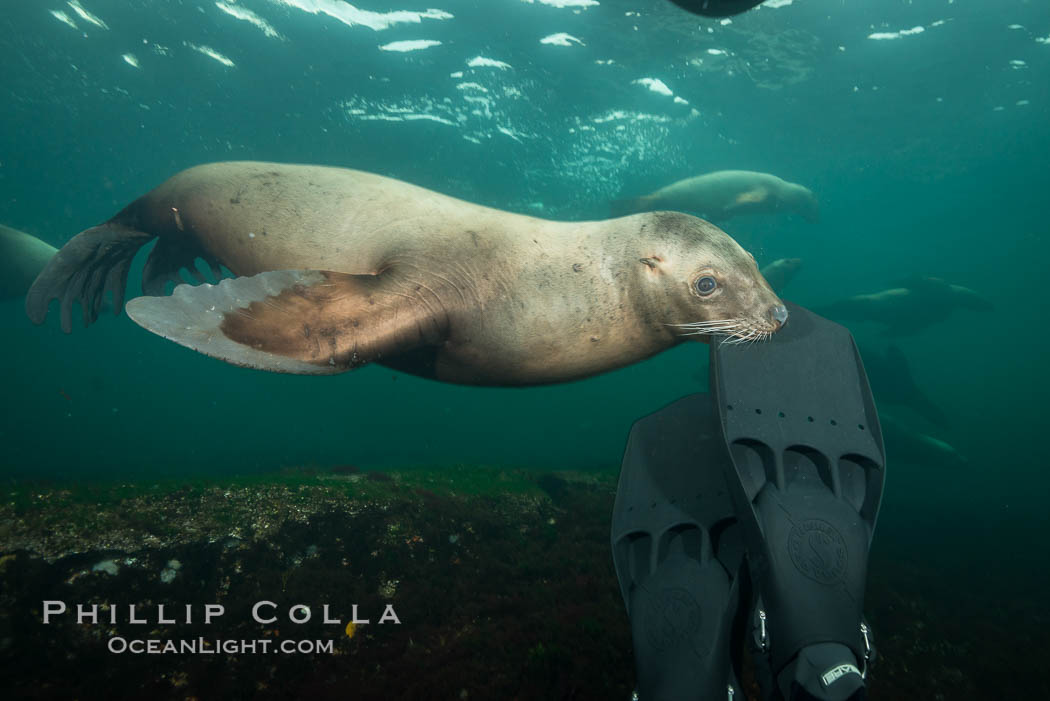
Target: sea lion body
724, 194
22, 257
907, 310
377, 270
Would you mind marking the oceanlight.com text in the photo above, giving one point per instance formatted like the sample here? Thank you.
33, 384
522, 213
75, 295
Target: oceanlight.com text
206, 646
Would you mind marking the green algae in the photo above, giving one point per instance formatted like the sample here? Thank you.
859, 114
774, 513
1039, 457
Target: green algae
54, 520
483, 565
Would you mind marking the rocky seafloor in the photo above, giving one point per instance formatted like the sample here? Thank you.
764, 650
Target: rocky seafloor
501, 580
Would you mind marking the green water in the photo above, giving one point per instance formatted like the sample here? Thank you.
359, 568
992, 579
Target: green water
926, 149
917, 168
927, 152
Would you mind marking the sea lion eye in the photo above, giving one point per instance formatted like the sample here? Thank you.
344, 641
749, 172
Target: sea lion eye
706, 285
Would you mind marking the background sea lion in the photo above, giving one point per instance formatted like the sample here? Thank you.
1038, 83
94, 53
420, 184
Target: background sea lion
22, 257
780, 272
892, 381
724, 194
917, 304
917, 448
344, 267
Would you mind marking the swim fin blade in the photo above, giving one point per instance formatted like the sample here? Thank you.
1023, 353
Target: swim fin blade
716, 8
679, 554
806, 473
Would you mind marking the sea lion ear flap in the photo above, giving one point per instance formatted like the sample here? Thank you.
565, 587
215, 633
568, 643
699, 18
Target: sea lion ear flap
306, 322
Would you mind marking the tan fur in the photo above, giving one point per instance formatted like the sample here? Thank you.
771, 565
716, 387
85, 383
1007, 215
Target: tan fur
724, 194
22, 257
492, 297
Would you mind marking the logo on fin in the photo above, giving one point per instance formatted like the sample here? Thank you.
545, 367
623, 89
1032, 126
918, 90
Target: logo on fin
818, 551
673, 617
837, 672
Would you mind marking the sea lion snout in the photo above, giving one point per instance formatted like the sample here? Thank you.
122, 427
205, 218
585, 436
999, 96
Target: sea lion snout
780, 315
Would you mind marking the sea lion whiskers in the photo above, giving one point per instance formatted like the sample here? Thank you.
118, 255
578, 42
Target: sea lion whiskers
700, 327
734, 340
704, 324
734, 331
715, 331
729, 328
762, 337
718, 331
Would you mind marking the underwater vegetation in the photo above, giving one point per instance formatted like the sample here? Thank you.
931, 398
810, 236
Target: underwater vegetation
501, 579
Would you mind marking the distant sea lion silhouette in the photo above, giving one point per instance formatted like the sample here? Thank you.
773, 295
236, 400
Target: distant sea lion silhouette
725, 194
22, 257
892, 381
917, 448
917, 304
341, 268
780, 272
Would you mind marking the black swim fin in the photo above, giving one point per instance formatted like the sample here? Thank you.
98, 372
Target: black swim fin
806, 473
679, 554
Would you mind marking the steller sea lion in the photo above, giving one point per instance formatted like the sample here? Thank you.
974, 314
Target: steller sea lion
780, 272
22, 257
906, 310
917, 448
892, 382
340, 268
724, 194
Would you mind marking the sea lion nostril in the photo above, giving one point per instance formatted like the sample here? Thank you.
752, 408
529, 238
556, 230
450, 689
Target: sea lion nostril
780, 314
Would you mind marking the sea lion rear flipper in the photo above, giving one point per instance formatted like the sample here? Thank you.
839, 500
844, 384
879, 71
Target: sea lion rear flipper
628, 206
169, 257
307, 322
94, 261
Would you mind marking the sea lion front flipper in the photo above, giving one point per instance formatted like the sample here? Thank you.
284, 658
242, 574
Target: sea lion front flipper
306, 322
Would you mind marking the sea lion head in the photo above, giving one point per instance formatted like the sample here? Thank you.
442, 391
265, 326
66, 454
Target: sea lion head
703, 282
780, 272
782, 266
